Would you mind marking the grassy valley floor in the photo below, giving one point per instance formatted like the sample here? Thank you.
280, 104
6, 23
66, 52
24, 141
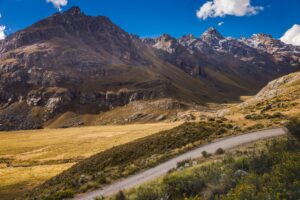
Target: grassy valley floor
28, 158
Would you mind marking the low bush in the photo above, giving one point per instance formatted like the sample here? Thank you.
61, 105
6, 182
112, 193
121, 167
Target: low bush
65, 194
220, 151
293, 127
205, 154
120, 196
255, 127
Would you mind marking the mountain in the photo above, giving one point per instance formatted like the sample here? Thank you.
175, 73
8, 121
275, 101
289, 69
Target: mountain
85, 65
74, 63
235, 66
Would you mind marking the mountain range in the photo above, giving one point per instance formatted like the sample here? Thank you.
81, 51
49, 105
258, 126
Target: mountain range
71, 62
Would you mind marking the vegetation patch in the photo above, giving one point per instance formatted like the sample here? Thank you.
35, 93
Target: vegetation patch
270, 174
127, 159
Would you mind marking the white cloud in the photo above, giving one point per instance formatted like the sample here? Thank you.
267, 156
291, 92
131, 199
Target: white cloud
2, 30
292, 36
2, 33
58, 3
221, 8
220, 23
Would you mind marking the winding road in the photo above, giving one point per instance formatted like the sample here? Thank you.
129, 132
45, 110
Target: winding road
162, 169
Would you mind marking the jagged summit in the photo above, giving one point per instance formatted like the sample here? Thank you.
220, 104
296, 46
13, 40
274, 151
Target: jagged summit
212, 33
75, 10
262, 35
211, 36
188, 37
166, 37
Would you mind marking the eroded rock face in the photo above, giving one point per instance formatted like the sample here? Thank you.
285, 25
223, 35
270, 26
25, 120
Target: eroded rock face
260, 54
110, 99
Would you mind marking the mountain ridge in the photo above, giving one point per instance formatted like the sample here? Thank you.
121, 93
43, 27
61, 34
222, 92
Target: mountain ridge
71, 62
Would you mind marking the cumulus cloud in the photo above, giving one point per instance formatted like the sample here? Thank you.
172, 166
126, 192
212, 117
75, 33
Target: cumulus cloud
292, 36
220, 23
2, 32
221, 8
58, 3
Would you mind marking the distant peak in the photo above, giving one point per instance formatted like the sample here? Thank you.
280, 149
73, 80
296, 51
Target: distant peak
188, 37
166, 37
212, 32
262, 35
73, 11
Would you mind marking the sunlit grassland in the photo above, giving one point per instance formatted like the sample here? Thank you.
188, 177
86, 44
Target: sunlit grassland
27, 158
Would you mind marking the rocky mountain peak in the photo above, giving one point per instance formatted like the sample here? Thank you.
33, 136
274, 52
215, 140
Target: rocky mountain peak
212, 33
69, 25
166, 37
166, 43
211, 36
262, 36
188, 37
73, 11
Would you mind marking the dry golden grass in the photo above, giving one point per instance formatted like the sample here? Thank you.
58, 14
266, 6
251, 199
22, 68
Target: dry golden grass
15, 181
28, 158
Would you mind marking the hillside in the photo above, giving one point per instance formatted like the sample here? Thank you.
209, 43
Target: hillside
127, 159
85, 65
274, 104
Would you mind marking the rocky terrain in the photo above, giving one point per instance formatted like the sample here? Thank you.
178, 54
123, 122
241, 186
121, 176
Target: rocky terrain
286, 87
232, 65
272, 106
70, 62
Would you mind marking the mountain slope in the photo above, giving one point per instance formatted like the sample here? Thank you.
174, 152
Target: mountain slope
272, 106
233, 66
73, 62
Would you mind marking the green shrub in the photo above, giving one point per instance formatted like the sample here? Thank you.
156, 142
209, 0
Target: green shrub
183, 163
221, 131
177, 187
278, 115
64, 194
220, 151
88, 186
293, 127
255, 127
120, 196
148, 193
205, 154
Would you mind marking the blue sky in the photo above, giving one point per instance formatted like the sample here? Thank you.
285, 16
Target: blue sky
149, 18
